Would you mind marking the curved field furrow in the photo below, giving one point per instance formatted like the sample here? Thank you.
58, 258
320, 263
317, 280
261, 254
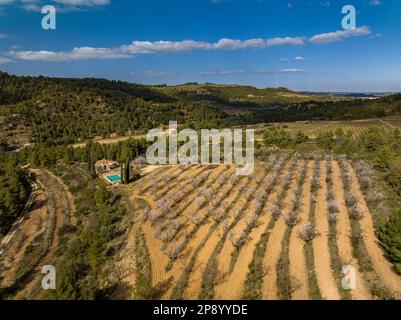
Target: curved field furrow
230, 196
252, 286
232, 286
59, 210
159, 260
197, 233
215, 181
343, 236
298, 268
159, 176
127, 260
211, 235
225, 256
177, 186
195, 282
324, 276
31, 227
383, 268
186, 208
274, 245
169, 183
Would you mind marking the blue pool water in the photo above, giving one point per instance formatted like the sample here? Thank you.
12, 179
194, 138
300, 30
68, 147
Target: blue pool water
114, 178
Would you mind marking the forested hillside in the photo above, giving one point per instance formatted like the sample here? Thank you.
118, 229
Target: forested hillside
62, 111
58, 111
13, 192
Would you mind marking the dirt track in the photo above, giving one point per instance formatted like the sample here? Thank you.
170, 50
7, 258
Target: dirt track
53, 208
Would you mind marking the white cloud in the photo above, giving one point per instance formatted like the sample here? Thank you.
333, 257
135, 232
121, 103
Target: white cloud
284, 60
375, 2
340, 35
143, 47
62, 5
239, 72
294, 41
4, 60
82, 53
222, 72
299, 58
158, 47
135, 48
158, 74
84, 3
292, 70
3, 36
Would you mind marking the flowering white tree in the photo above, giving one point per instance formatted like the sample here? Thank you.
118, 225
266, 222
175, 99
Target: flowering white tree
199, 202
292, 219
308, 232
334, 209
251, 221
237, 240
174, 250
276, 211
196, 219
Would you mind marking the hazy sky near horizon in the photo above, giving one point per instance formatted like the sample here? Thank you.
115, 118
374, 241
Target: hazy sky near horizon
266, 43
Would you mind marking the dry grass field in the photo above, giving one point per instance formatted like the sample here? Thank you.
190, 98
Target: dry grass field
284, 232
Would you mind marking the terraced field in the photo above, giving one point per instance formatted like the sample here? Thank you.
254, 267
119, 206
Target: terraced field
356, 127
36, 237
285, 232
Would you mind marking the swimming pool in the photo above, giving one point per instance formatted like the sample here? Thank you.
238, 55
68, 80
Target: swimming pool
115, 178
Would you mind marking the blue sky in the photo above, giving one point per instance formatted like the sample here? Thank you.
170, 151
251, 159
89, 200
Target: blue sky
266, 43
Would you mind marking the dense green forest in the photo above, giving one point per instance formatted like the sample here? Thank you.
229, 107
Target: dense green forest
62, 111
45, 156
14, 189
80, 268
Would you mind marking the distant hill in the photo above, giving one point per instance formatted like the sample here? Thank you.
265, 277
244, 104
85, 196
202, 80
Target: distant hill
60, 110
362, 95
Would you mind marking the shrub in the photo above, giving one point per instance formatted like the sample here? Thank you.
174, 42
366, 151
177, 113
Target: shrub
308, 232
251, 221
375, 197
292, 219
276, 211
391, 240
196, 219
357, 213
350, 199
199, 202
315, 182
238, 240
334, 207
174, 250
